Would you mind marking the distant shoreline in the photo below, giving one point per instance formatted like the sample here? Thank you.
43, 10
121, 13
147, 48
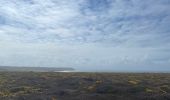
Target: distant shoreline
67, 70
35, 69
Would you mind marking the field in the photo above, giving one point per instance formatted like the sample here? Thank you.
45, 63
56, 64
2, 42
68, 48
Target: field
84, 86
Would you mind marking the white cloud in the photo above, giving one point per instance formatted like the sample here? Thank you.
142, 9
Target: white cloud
121, 32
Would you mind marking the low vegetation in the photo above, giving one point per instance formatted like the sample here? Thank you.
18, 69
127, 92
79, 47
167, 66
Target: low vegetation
83, 86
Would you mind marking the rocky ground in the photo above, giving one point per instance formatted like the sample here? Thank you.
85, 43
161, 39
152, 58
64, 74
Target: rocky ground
84, 86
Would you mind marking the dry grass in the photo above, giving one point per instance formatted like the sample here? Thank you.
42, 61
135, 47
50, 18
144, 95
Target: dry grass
84, 86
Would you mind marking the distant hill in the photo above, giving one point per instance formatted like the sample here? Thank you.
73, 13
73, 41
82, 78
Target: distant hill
35, 69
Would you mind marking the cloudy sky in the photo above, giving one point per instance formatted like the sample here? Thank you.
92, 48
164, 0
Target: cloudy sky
95, 35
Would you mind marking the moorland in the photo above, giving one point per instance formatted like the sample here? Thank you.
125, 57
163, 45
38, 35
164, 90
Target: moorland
84, 86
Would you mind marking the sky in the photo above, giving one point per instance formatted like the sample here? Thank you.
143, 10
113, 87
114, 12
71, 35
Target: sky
88, 35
